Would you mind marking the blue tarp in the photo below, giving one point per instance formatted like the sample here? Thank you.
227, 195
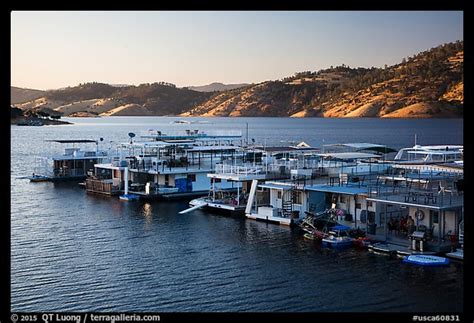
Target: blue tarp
340, 227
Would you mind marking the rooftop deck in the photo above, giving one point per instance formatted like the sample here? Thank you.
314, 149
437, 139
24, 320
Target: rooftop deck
424, 199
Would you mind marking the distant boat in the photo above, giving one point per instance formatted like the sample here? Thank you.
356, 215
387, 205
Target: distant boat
181, 122
39, 178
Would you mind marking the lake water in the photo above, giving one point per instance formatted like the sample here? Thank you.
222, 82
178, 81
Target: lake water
77, 252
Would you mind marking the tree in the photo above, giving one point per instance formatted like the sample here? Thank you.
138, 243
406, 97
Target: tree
15, 112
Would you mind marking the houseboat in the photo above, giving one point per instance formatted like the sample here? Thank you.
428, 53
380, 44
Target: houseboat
433, 154
422, 212
339, 173
165, 165
73, 165
255, 163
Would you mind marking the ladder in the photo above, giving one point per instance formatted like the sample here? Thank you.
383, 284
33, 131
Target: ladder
287, 203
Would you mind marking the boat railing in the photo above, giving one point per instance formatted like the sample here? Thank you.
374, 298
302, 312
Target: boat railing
431, 169
190, 133
240, 170
63, 172
104, 186
440, 197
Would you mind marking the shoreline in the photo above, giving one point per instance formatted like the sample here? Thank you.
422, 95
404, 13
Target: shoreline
32, 121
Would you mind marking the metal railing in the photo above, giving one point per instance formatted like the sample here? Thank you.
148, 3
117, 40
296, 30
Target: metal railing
69, 172
405, 194
240, 170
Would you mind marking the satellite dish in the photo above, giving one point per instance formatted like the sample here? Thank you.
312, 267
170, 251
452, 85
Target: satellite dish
131, 134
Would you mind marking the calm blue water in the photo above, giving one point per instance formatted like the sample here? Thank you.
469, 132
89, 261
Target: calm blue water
77, 252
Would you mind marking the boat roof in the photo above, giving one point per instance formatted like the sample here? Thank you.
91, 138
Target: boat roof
213, 148
357, 145
283, 149
146, 144
364, 146
164, 144
70, 141
349, 155
434, 152
340, 227
436, 147
348, 190
278, 186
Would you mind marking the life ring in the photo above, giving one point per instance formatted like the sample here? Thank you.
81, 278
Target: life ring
420, 215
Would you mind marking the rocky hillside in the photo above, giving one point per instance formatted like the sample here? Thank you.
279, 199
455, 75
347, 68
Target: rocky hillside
429, 84
104, 99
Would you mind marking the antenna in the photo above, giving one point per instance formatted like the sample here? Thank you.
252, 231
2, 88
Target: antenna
131, 135
415, 139
247, 133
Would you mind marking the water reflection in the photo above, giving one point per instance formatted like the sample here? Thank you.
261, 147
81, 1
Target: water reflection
147, 211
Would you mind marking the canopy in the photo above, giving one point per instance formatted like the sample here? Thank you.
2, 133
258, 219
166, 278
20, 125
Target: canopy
72, 141
365, 146
349, 155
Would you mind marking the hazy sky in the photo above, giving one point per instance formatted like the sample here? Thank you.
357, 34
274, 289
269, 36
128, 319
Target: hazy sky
56, 49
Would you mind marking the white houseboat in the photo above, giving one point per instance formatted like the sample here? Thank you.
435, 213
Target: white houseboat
256, 163
167, 165
433, 154
343, 174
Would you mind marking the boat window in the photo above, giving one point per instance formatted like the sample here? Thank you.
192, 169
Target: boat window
297, 198
434, 216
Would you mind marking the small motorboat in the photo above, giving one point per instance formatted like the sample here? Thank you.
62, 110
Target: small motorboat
338, 237
310, 236
39, 178
426, 260
181, 122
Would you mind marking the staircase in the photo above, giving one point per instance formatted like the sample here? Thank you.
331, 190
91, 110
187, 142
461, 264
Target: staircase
287, 203
287, 208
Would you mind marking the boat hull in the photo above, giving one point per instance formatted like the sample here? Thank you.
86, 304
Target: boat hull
426, 260
336, 243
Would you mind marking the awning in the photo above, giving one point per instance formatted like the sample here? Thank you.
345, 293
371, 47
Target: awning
347, 190
365, 146
72, 141
276, 186
349, 155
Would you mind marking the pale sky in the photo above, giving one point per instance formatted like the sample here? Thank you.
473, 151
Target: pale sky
56, 49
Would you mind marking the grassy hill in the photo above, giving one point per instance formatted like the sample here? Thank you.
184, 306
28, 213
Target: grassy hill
429, 84
20, 95
104, 99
